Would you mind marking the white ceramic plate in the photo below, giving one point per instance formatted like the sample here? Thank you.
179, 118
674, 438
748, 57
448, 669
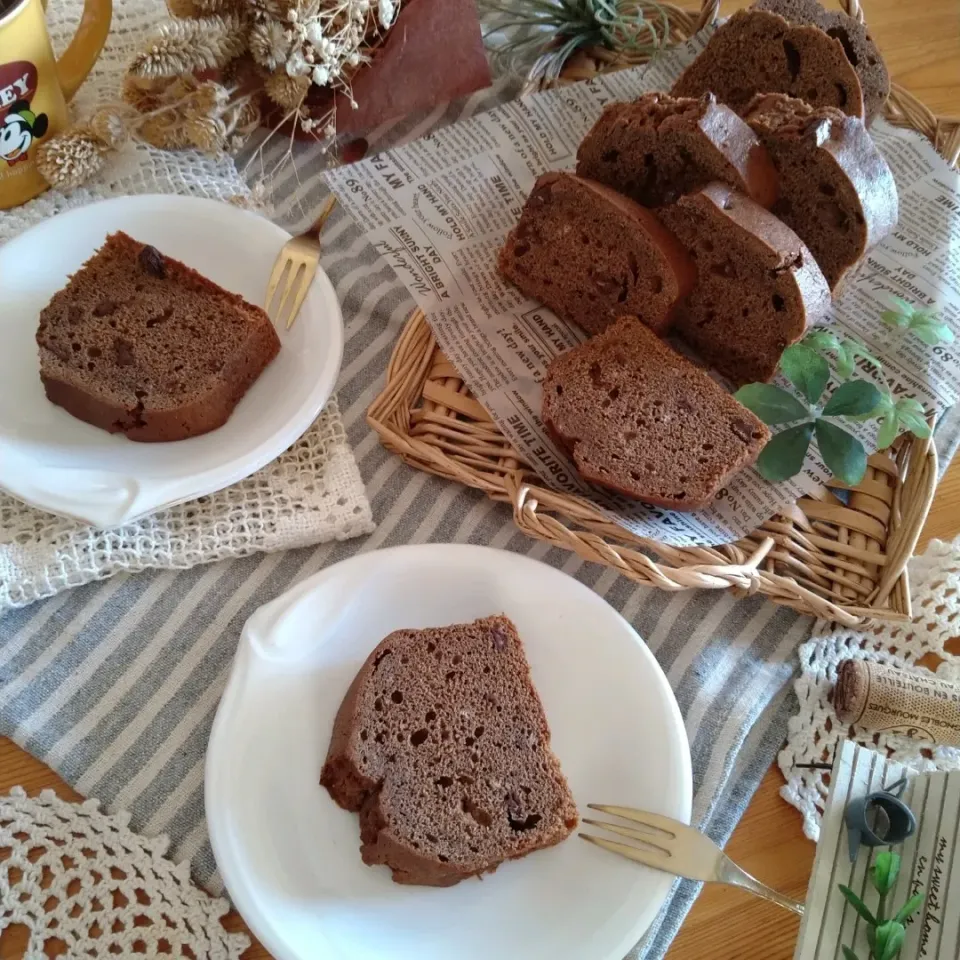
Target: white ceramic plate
58, 463
290, 857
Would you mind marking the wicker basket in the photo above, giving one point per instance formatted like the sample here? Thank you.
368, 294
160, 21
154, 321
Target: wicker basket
840, 561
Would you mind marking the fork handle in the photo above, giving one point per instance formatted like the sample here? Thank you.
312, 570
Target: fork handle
728, 872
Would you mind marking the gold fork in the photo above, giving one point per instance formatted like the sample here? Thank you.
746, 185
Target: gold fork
297, 264
673, 847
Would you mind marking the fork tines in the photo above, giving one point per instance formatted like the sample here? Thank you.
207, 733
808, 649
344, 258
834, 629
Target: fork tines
651, 827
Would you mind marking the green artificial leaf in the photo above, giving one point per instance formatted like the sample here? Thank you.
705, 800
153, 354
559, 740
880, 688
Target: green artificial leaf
931, 330
859, 349
889, 428
822, 340
886, 869
889, 940
871, 939
909, 908
771, 404
855, 398
842, 452
858, 905
782, 457
846, 361
893, 318
806, 370
911, 415
848, 954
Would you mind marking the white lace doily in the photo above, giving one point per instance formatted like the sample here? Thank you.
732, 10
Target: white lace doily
76, 876
310, 494
815, 731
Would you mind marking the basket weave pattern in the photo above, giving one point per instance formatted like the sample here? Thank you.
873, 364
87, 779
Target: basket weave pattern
839, 561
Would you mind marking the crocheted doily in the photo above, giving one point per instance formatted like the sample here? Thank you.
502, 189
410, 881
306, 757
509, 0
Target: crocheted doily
81, 879
311, 494
815, 731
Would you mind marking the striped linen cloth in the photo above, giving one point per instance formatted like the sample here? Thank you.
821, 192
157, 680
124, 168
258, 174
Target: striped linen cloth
115, 685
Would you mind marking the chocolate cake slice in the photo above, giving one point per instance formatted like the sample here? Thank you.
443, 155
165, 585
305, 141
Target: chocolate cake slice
836, 191
639, 418
592, 255
659, 147
442, 746
140, 344
858, 45
756, 51
758, 286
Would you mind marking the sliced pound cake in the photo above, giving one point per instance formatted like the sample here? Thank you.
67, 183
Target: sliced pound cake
836, 191
858, 45
756, 51
639, 418
140, 344
758, 286
442, 746
660, 147
591, 255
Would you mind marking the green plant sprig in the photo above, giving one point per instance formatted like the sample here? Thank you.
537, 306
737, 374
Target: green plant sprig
550, 31
885, 936
807, 366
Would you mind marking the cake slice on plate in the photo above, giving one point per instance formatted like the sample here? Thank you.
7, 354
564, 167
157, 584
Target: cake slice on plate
442, 746
140, 344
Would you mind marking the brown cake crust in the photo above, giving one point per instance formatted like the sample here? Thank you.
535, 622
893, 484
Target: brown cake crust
758, 288
659, 147
640, 419
140, 344
837, 192
442, 746
861, 51
756, 51
591, 255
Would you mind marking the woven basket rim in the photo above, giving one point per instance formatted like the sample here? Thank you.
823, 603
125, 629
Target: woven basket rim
468, 448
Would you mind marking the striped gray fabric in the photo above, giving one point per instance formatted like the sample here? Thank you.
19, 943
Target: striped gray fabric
115, 685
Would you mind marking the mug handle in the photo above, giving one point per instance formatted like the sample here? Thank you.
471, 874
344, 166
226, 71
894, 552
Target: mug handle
78, 59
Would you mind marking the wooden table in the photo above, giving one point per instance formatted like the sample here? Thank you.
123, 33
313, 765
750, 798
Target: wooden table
921, 43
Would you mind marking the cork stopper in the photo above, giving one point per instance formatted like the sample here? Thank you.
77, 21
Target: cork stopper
850, 692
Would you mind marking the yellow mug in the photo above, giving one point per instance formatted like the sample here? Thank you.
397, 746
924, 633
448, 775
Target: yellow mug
35, 88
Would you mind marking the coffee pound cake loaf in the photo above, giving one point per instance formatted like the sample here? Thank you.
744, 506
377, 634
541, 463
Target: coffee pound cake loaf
857, 43
660, 147
442, 746
836, 191
756, 51
140, 344
639, 418
592, 255
758, 286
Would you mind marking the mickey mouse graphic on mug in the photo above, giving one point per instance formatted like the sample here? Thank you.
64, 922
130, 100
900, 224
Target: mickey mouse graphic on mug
20, 126
18, 130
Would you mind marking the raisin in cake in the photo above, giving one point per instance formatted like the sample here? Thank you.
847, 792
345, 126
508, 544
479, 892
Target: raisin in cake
660, 147
858, 45
442, 746
591, 255
756, 51
140, 344
758, 286
639, 418
836, 191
